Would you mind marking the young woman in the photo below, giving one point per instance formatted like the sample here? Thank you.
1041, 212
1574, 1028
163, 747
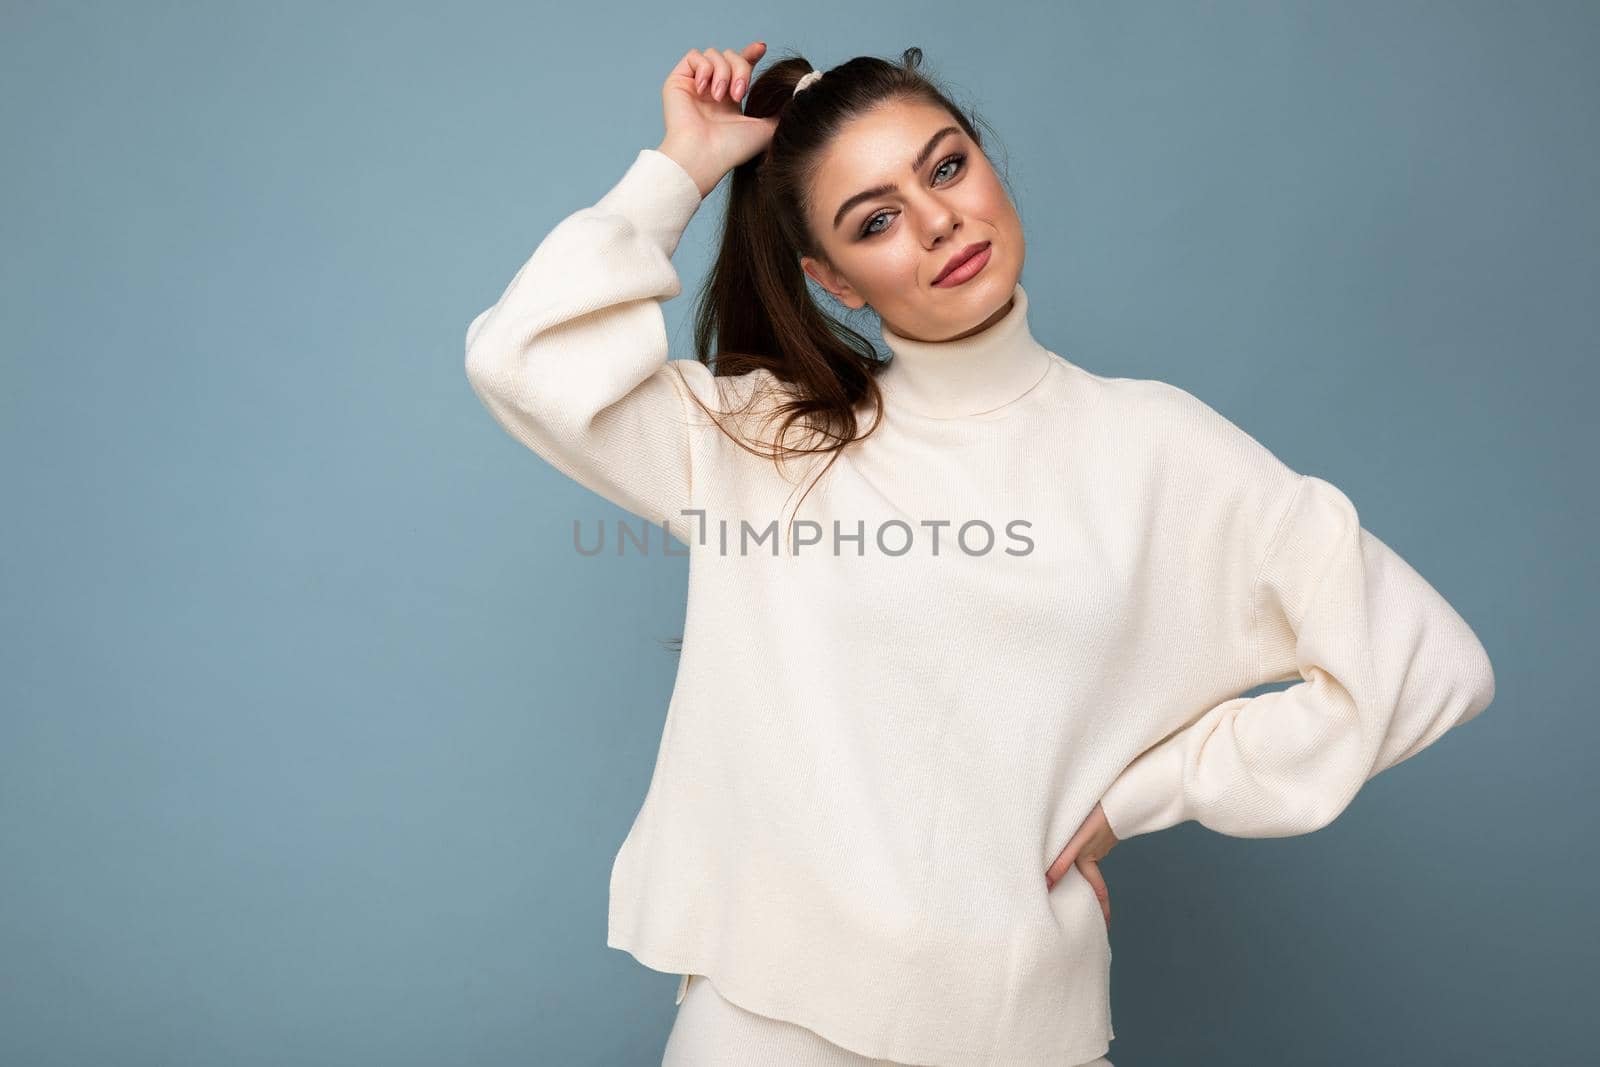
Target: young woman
1004, 625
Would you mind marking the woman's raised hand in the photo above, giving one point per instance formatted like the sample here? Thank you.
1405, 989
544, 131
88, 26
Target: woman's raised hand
707, 134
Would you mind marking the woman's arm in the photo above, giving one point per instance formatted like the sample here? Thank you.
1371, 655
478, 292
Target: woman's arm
572, 359
1387, 667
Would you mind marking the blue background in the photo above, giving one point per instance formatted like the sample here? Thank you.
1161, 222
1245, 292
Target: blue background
318, 738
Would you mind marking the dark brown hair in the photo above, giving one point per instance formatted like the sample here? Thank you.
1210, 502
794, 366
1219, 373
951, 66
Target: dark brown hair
754, 307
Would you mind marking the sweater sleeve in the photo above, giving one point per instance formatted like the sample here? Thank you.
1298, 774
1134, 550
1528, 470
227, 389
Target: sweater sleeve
1387, 666
572, 359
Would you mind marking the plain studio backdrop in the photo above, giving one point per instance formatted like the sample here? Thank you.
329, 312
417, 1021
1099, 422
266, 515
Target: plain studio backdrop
318, 737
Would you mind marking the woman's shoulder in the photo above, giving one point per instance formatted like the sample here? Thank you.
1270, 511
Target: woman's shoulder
1185, 439
1170, 414
1162, 403
722, 391
753, 404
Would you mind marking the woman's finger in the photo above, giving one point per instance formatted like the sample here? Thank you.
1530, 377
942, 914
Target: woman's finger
686, 65
720, 74
697, 69
1059, 867
741, 73
1091, 871
705, 72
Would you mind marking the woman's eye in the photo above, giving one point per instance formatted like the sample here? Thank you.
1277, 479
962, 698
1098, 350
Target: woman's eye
867, 230
956, 160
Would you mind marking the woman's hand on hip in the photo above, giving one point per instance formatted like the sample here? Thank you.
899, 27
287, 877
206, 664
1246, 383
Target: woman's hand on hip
1088, 846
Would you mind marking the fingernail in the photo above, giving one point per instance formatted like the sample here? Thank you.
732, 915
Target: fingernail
738, 88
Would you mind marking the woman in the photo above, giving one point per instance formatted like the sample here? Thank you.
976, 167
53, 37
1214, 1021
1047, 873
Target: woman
1006, 624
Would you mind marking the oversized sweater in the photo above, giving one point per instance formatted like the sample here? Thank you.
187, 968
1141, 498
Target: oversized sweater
1032, 588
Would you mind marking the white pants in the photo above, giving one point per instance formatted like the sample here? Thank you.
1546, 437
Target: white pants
712, 1032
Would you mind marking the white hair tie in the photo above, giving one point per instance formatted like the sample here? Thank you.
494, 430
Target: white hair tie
805, 81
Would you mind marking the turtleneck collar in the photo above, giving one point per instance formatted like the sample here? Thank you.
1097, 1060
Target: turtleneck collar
966, 376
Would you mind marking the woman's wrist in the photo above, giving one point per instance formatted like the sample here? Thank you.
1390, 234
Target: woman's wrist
691, 161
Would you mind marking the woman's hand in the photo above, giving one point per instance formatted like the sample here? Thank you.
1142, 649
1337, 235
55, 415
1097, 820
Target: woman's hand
707, 134
1088, 846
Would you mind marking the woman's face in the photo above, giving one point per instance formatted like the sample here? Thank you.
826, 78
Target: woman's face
930, 194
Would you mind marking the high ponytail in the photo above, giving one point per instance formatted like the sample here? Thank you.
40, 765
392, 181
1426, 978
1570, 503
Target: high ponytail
755, 311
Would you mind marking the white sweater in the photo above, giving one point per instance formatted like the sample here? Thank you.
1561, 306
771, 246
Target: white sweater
1050, 588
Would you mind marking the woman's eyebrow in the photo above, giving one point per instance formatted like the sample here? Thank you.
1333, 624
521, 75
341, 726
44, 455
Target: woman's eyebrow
884, 190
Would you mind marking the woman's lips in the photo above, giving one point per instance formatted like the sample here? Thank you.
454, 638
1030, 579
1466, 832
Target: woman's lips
966, 270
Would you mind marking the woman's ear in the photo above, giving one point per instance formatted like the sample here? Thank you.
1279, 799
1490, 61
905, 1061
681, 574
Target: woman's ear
832, 281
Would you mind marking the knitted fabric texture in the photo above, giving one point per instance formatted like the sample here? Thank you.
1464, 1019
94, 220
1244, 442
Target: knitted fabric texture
1032, 589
